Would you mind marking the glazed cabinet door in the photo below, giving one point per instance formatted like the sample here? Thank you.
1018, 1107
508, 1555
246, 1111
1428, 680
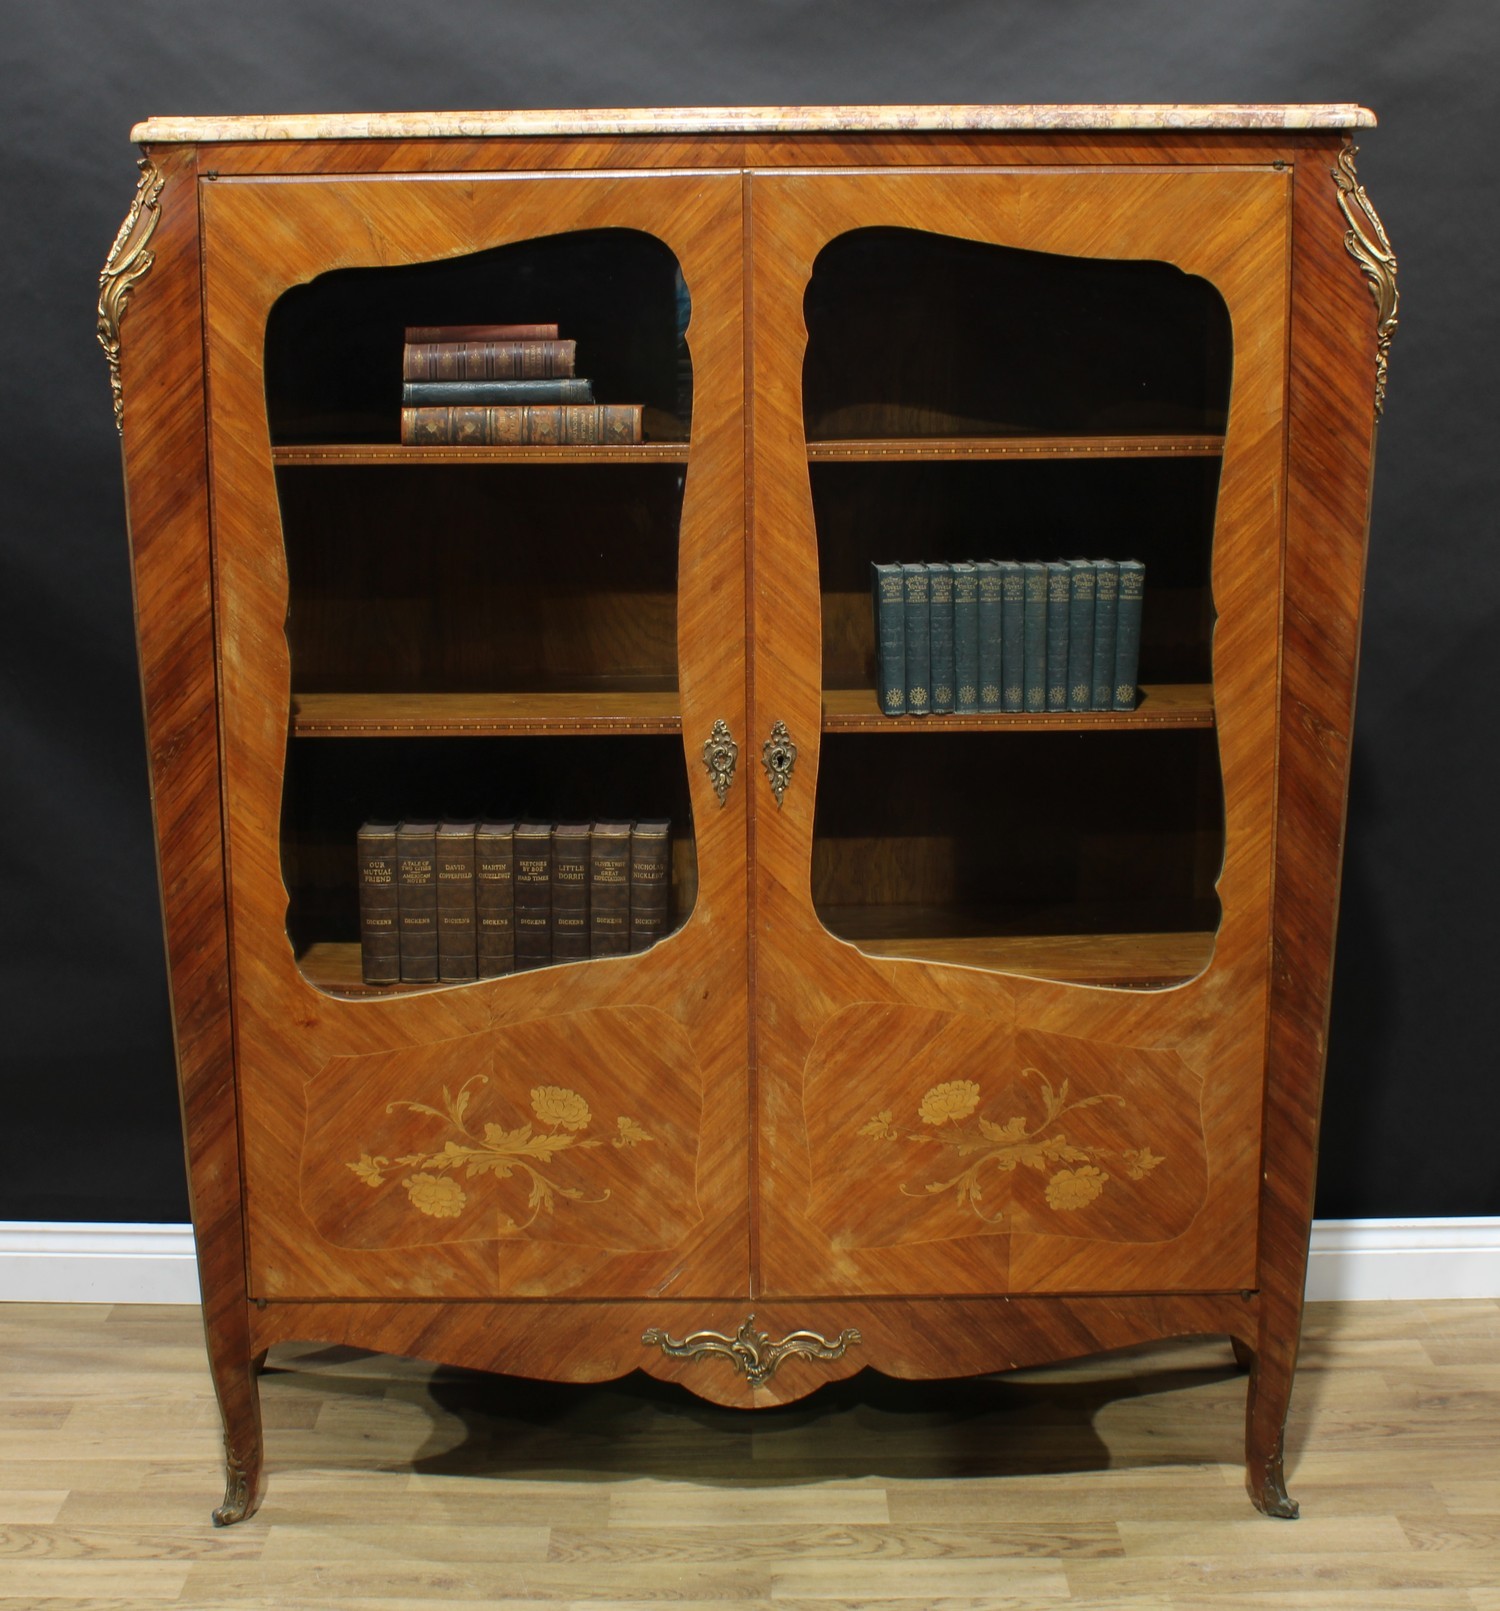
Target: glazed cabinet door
466, 632
1011, 956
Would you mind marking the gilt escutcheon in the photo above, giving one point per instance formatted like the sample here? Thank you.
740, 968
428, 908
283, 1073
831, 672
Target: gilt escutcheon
779, 755
721, 755
752, 1353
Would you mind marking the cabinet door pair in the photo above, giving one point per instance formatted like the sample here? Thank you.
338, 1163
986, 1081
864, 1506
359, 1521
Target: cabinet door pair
957, 1004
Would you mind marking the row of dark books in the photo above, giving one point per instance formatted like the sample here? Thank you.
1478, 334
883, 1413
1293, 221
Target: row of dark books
474, 900
503, 385
1001, 635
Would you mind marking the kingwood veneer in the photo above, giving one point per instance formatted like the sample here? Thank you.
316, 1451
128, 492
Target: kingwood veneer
753, 1116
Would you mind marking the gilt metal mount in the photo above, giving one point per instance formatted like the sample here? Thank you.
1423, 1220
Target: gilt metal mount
1368, 244
751, 1352
129, 261
779, 755
721, 755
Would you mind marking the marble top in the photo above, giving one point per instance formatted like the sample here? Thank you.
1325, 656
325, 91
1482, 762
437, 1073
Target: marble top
740, 120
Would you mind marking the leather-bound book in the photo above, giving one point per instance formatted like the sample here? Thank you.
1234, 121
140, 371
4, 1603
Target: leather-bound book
416, 882
609, 889
570, 891
1081, 589
1034, 669
533, 886
940, 642
522, 425
1128, 633
421, 334
1106, 624
918, 640
420, 393
487, 360
650, 882
458, 956
990, 620
1058, 604
887, 591
965, 639
379, 937
1012, 636
495, 898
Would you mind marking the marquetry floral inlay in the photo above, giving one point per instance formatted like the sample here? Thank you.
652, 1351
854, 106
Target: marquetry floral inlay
1076, 1175
530, 1149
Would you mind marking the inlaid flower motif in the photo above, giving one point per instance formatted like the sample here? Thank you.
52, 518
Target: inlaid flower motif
369, 1169
954, 1100
1075, 1188
436, 1195
560, 1107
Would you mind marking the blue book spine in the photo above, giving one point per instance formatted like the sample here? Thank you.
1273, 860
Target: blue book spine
1012, 636
1106, 621
1128, 633
1081, 593
965, 639
988, 615
421, 393
1034, 658
1059, 602
890, 638
918, 640
940, 603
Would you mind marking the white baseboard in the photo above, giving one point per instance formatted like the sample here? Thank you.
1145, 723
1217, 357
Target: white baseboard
1351, 1260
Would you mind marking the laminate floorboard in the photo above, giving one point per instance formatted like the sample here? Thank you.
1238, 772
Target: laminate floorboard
394, 1486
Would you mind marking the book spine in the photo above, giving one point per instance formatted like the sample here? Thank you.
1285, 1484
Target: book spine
1106, 623
1128, 632
415, 393
447, 334
533, 887
379, 913
495, 898
522, 425
1034, 669
458, 956
965, 639
609, 889
487, 360
1081, 590
918, 640
416, 883
940, 636
570, 891
1058, 604
650, 882
990, 622
1012, 636
890, 638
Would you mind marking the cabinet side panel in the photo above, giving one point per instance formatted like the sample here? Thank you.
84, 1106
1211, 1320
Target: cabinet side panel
167, 497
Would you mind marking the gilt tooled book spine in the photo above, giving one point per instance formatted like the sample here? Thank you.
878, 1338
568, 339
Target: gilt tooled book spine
965, 639
1058, 603
416, 877
421, 334
990, 621
522, 425
1128, 632
918, 640
1012, 636
458, 956
1082, 579
487, 360
419, 393
533, 886
887, 590
1106, 623
379, 912
650, 882
940, 642
570, 891
609, 889
1034, 670
495, 898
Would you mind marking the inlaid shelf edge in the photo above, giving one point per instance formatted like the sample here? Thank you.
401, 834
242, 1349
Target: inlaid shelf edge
1188, 704
348, 453
402, 715
1018, 447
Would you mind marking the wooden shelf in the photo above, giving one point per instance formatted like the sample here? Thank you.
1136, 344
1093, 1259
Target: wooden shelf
1020, 447
336, 453
482, 715
1188, 704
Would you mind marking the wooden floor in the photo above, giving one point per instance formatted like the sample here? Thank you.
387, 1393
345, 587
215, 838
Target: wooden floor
1113, 1483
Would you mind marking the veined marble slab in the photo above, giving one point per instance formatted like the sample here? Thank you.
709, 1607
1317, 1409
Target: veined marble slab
740, 120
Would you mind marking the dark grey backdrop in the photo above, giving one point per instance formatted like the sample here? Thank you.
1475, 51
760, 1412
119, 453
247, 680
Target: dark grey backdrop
89, 1125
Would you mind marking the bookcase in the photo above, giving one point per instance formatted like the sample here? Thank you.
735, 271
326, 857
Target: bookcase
976, 1041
